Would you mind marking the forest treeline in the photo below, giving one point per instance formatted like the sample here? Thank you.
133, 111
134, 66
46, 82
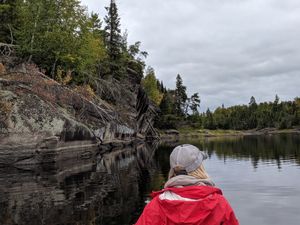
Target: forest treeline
276, 114
178, 110
68, 43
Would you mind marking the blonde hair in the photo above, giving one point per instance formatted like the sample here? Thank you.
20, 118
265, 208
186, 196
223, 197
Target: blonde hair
199, 173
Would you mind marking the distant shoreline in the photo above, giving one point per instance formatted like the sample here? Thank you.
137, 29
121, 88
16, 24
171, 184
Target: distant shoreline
205, 133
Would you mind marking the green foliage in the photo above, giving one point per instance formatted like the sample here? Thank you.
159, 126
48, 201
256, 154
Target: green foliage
150, 85
8, 20
252, 113
176, 103
209, 122
50, 33
281, 115
114, 41
297, 111
133, 60
91, 51
180, 97
68, 43
113, 36
195, 103
176, 107
169, 121
121, 57
167, 104
221, 117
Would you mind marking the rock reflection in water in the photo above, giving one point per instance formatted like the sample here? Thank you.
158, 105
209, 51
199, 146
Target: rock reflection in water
106, 190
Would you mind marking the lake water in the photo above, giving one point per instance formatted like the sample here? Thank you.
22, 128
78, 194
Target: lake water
260, 176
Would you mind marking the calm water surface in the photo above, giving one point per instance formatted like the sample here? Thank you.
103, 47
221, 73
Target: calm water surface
260, 176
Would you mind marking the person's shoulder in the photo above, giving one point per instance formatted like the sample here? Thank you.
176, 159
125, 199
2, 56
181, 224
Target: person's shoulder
151, 213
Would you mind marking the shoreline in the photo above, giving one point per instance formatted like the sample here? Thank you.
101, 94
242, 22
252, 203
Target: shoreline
205, 133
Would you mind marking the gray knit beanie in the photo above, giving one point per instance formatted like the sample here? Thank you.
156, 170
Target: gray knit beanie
187, 156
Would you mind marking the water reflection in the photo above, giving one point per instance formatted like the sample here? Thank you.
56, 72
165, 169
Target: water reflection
267, 149
106, 190
259, 176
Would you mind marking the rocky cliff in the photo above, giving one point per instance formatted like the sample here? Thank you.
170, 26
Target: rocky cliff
42, 120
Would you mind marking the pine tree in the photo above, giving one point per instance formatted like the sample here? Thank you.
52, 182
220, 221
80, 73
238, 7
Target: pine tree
252, 120
276, 101
275, 111
166, 105
252, 101
180, 96
195, 103
114, 40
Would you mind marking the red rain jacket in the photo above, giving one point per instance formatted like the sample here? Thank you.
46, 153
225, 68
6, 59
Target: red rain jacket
210, 209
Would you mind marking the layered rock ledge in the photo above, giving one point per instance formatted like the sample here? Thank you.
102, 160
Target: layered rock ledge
43, 121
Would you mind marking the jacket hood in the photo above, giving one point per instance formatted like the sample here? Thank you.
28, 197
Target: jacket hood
192, 192
186, 180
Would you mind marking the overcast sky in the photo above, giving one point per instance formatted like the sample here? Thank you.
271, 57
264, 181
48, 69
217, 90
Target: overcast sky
227, 50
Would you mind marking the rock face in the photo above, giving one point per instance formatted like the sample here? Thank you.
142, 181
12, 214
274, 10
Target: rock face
41, 120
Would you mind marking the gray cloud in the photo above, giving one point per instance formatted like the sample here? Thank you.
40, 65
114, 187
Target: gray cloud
225, 50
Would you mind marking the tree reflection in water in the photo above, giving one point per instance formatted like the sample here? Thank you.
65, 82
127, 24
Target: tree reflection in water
272, 149
113, 188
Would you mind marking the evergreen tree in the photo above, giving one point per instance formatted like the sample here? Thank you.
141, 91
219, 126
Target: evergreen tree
252, 102
276, 112
276, 101
209, 120
114, 40
195, 103
162, 87
252, 120
167, 104
180, 97
8, 15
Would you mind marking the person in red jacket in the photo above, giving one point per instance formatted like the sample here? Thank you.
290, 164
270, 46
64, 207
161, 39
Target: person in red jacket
189, 196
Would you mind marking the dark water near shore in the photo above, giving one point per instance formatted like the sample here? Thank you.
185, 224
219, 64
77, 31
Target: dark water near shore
260, 176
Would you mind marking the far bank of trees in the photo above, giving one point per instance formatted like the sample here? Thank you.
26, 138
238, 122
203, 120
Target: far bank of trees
276, 114
178, 110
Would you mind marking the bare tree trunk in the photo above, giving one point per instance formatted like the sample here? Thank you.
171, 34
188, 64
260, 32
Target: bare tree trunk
53, 68
11, 34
